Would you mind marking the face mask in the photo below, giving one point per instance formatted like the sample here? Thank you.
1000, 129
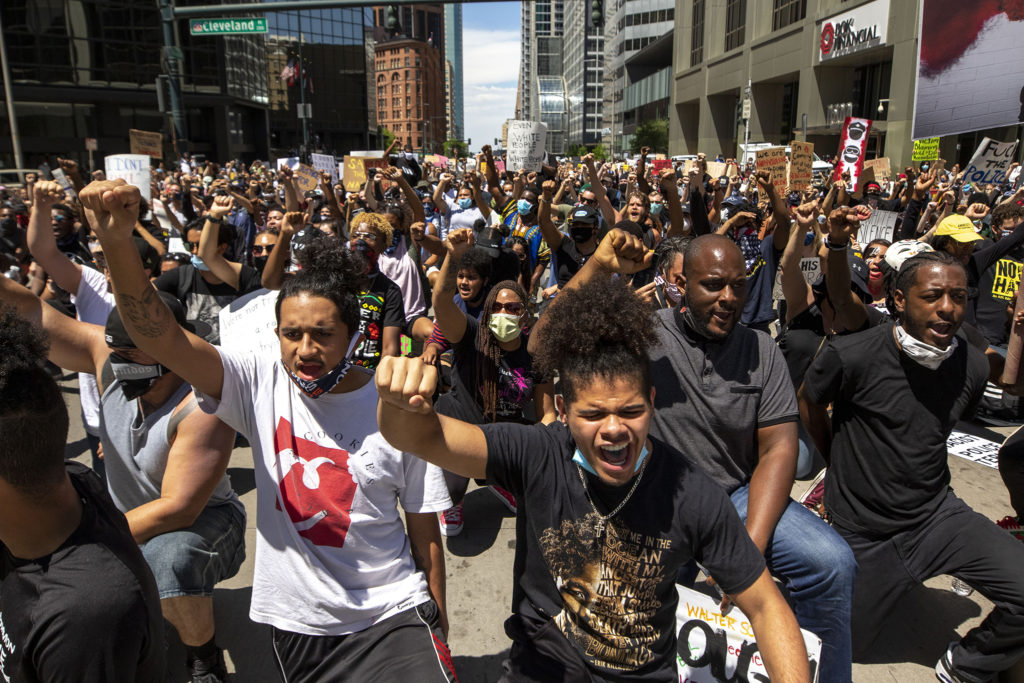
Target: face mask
260, 262
8, 225
582, 462
524, 207
135, 379
655, 209
198, 263
672, 292
465, 202
923, 354
364, 249
581, 234
323, 385
504, 326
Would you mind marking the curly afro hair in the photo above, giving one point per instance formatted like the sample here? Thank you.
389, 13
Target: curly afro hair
33, 416
374, 220
599, 330
329, 270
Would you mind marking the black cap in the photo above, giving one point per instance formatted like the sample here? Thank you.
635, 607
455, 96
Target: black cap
117, 336
858, 274
584, 215
490, 241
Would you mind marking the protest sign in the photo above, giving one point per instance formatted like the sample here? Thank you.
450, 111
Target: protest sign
773, 160
290, 162
852, 146
880, 226
713, 647
990, 163
925, 150
499, 166
526, 140
325, 164
810, 268
975, 448
145, 142
717, 169
59, 176
132, 168
801, 162
248, 322
353, 174
659, 164
306, 177
442, 161
875, 170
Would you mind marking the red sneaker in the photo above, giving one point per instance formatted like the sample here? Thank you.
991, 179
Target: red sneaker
1012, 524
505, 497
451, 521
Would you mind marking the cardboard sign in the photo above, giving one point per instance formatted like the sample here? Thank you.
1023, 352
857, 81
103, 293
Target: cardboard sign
852, 146
713, 647
91, 144
880, 226
801, 163
145, 142
132, 168
526, 140
975, 448
290, 162
325, 163
810, 268
248, 322
716, 169
990, 163
306, 177
773, 160
499, 166
926, 149
353, 174
877, 170
659, 164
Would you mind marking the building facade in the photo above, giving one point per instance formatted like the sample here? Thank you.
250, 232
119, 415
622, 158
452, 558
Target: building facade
410, 92
583, 62
541, 94
453, 55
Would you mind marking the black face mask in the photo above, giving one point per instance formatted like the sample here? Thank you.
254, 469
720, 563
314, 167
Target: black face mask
580, 235
259, 263
135, 379
8, 226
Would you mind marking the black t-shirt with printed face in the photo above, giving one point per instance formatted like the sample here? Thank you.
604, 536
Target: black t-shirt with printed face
203, 301
380, 306
89, 611
612, 596
890, 420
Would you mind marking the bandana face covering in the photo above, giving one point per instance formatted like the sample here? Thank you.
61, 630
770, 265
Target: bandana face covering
923, 354
315, 388
582, 462
135, 378
672, 292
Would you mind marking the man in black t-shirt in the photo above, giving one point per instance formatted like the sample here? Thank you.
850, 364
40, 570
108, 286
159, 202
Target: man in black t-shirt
896, 392
77, 600
381, 317
570, 253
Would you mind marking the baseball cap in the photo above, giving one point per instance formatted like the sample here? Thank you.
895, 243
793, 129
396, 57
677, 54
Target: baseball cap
490, 240
117, 336
858, 274
585, 215
958, 227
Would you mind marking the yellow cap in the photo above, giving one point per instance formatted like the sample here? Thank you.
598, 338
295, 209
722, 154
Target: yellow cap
959, 228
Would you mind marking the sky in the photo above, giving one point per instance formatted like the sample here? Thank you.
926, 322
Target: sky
490, 68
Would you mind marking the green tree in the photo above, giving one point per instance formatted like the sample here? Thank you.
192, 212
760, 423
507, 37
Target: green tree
386, 135
577, 150
599, 153
453, 147
652, 133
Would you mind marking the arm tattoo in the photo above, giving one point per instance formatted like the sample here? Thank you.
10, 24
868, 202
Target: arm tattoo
146, 314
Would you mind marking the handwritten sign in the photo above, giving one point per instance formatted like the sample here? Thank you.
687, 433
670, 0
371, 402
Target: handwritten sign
659, 164
877, 170
811, 269
353, 174
526, 140
773, 160
248, 322
325, 163
146, 142
132, 168
306, 177
713, 647
990, 163
975, 448
925, 149
880, 226
801, 162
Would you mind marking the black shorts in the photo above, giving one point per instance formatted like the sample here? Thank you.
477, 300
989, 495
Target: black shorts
408, 646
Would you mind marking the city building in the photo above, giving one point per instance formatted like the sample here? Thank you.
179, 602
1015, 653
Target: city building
583, 62
410, 92
541, 94
453, 55
647, 96
629, 28
778, 48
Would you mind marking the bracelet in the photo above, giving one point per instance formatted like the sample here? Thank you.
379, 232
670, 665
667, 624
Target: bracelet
210, 218
836, 247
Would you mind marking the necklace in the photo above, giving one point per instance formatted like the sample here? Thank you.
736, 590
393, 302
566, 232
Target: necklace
601, 519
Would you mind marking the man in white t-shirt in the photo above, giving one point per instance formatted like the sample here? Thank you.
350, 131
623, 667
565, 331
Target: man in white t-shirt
349, 593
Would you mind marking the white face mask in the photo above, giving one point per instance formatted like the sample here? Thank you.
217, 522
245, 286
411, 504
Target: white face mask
923, 354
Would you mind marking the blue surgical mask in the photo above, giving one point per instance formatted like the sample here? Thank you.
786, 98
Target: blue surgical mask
198, 263
524, 207
655, 209
578, 458
465, 202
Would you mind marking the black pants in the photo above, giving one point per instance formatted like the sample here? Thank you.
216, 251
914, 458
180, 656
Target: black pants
955, 540
1011, 468
408, 646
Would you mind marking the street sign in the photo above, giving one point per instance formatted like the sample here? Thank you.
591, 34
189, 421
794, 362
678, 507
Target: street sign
90, 144
746, 108
227, 26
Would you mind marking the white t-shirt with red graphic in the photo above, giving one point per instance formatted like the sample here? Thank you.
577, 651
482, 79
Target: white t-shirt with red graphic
332, 555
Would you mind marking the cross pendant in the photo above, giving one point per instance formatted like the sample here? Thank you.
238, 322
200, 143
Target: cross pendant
599, 528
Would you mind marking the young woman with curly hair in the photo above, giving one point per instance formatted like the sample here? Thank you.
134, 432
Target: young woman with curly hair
493, 378
607, 514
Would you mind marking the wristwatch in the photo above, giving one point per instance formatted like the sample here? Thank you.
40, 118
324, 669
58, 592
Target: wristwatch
213, 219
836, 247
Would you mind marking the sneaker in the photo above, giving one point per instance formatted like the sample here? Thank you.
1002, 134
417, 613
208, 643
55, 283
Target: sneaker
451, 521
505, 497
944, 668
209, 670
1012, 524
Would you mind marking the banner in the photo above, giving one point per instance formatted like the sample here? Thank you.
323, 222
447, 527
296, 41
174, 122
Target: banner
852, 146
354, 174
526, 140
926, 150
325, 163
990, 163
773, 160
132, 168
801, 164
306, 177
248, 322
713, 647
974, 448
145, 142
880, 226
967, 75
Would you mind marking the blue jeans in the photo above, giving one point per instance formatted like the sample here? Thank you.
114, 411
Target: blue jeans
818, 569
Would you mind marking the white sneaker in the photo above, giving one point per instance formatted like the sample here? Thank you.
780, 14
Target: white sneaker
944, 667
451, 521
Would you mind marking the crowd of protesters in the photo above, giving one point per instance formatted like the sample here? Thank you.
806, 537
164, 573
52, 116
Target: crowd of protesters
631, 360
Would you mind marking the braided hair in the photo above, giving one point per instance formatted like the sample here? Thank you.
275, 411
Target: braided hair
488, 352
906, 277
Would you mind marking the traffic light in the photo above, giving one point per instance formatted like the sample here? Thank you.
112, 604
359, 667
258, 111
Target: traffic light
391, 23
596, 13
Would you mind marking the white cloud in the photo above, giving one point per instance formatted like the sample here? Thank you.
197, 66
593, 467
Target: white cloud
490, 72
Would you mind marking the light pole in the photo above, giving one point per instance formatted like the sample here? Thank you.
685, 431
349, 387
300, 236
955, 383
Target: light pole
15, 138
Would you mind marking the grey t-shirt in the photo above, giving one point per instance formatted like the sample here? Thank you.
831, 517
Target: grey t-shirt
711, 397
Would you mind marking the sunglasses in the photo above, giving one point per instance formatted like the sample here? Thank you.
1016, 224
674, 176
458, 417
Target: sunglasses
366, 236
258, 249
191, 246
513, 307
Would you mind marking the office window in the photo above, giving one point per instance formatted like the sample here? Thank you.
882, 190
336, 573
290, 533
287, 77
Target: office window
735, 23
788, 12
697, 34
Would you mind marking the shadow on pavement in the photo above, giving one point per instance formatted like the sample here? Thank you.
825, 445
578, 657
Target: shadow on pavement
921, 627
480, 669
243, 479
483, 515
73, 449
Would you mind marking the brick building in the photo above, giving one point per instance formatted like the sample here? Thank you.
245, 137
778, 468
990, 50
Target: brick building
411, 92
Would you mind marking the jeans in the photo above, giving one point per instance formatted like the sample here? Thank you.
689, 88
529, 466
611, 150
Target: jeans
818, 569
954, 540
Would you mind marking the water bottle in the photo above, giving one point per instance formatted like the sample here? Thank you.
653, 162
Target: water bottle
961, 588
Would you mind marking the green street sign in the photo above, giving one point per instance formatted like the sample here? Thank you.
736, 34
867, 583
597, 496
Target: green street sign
227, 26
